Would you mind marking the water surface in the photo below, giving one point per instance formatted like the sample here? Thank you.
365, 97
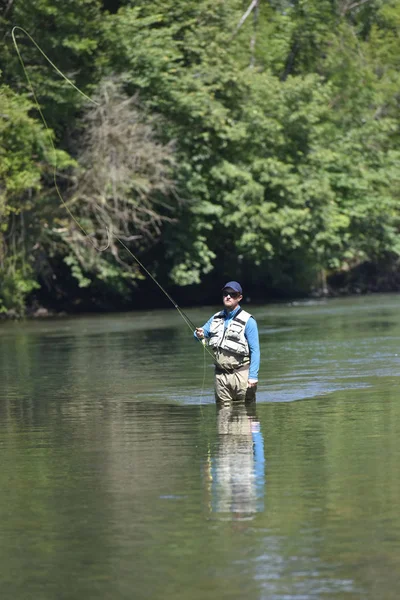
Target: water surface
120, 479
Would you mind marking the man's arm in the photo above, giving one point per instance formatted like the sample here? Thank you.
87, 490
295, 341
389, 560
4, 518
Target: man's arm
251, 333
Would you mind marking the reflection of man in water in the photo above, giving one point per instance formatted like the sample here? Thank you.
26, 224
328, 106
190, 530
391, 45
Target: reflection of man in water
232, 334
236, 469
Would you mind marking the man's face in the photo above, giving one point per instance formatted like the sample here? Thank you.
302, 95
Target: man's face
231, 299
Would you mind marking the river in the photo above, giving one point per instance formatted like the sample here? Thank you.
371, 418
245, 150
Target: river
121, 480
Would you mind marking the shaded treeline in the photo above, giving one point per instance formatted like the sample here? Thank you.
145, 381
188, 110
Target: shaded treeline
261, 144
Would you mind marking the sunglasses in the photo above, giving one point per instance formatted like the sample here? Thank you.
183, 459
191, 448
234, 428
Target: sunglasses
233, 295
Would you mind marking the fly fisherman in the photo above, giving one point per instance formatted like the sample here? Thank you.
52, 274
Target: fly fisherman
232, 334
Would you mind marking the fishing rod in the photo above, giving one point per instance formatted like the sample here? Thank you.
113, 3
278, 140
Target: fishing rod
184, 316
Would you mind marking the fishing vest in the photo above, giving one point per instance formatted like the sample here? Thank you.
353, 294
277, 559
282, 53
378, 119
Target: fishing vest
232, 337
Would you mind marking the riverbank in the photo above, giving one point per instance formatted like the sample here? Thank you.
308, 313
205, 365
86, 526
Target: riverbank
37, 313
365, 279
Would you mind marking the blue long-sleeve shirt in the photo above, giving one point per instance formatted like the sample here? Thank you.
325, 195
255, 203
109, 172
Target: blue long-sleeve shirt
250, 333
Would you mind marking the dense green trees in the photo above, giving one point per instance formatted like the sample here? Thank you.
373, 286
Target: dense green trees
264, 147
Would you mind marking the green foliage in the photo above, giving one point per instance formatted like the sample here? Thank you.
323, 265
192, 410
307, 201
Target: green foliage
284, 129
22, 140
68, 32
76, 271
27, 161
17, 281
285, 165
23, 156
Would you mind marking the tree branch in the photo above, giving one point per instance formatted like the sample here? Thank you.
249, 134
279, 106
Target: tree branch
253, 37
253, 5
347, 8
7, 9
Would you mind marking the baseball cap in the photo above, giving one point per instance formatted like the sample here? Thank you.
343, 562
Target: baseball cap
234, 285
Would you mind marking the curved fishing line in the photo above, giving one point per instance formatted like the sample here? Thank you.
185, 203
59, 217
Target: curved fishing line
186, 319
47, 128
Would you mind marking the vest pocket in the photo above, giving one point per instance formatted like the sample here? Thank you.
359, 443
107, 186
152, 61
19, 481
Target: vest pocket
233, 335
234, 331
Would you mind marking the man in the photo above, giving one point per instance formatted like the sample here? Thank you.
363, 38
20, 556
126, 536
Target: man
232, 334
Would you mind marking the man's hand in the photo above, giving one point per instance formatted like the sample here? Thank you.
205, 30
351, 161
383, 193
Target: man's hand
200, 333
252, 382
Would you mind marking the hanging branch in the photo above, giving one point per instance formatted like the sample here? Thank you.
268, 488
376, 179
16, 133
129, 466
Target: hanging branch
252, 6
125, 184
348, 6
253, 37
7, 8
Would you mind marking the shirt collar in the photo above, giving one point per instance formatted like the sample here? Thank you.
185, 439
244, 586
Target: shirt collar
229, 314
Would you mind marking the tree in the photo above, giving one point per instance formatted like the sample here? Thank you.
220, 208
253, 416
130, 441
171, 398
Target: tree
278, 135
70, 34
25, 160
122, 189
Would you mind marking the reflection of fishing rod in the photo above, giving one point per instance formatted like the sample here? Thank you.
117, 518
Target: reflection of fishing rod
184, 316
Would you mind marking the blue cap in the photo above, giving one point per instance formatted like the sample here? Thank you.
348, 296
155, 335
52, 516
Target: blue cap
234, 285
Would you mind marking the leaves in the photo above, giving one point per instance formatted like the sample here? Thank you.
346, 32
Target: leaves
271, 150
